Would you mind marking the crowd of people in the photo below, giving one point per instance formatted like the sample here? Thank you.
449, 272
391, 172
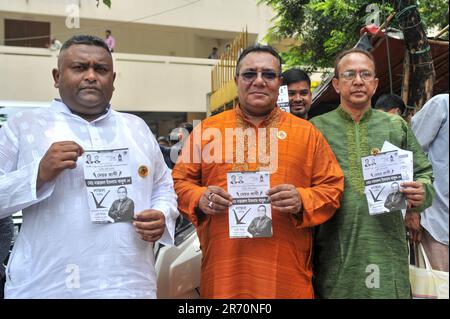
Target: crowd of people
323, 243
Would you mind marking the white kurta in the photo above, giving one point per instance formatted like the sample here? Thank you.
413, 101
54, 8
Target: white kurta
60, 253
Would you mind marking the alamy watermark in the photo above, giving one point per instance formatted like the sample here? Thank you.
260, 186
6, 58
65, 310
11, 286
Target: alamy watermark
226, 146
73, 16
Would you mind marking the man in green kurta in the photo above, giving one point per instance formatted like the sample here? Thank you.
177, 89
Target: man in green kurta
357, 255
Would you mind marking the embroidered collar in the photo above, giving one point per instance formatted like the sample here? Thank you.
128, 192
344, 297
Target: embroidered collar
344, 114
271, 120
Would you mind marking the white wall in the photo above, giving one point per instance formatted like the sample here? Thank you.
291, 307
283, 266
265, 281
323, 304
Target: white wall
144, 83
229, 15
138, 38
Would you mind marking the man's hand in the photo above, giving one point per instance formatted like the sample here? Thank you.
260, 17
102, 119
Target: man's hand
214, 200
415, 193
412, 225
150, 224
60, 156
286, 199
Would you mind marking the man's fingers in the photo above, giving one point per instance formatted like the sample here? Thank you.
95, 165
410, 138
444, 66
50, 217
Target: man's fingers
149, 215
415, 197
67, 156
415, 203
280, 188
70, 148
412, 191
220, 202
67, 146
285, 202
151, 239
218, 191
282, 195
411, 184
149, 225
213, 208
150, 233
67, 165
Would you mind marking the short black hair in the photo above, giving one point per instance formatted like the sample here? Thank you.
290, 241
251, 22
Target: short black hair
258, 48
295, 75
187, 126
87, 40
388, 102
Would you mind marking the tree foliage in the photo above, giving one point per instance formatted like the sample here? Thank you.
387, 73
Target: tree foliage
105, 2
322, 28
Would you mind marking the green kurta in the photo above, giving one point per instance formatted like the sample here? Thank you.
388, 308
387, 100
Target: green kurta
357, 255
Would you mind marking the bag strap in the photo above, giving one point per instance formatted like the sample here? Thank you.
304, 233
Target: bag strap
424, 256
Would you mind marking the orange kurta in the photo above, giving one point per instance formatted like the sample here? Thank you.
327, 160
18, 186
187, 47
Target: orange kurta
276, 267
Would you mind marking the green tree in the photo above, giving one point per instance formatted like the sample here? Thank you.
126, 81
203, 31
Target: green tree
322, 28
106, 2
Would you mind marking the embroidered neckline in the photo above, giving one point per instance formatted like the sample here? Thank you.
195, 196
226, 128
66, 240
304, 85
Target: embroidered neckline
272, 121
345, 115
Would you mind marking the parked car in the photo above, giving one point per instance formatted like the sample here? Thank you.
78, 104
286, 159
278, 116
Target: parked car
178, 267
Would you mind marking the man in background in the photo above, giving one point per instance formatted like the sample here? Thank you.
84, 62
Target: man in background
177, 137
110, 41
214, 53
391, 103
430, 125
299, 91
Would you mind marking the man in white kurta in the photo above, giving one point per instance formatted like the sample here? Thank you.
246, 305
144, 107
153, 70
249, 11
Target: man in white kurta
60, 252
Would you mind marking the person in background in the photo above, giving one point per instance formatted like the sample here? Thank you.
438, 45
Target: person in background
55, 45
176, 141
163, 141
430, 125
391, 103
299, 91
110, 41
214, 53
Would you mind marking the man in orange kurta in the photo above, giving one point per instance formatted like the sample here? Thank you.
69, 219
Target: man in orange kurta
305, 179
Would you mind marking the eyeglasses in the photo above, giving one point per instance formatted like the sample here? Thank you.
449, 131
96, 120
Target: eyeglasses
351, 75
250, 76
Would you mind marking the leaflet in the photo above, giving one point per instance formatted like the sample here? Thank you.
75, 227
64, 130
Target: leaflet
283, 99
250, 216
109, 185
382, 177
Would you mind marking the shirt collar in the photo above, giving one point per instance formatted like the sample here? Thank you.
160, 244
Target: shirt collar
366, 116
272, 117
58, 106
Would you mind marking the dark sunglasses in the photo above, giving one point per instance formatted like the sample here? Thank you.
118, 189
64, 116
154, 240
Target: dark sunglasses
250, 76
